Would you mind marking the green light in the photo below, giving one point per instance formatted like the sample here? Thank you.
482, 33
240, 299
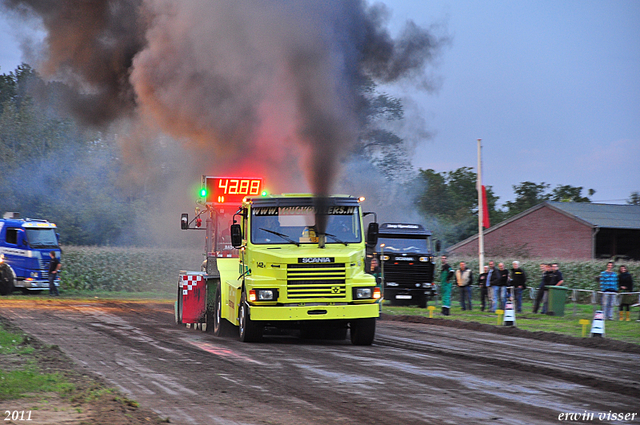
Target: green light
264, 193
203, 192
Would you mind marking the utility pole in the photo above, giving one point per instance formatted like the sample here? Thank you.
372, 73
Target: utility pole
480, 210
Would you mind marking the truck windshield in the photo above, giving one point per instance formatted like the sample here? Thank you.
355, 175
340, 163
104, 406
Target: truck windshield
277, 225
403, 245
42, 238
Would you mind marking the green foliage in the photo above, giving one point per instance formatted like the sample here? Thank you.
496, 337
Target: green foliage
19, 380
634, 198
451, 197
376, 143
56, 170
529, 194
125, 269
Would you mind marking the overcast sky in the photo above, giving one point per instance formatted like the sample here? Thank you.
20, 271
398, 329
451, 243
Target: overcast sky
552, 88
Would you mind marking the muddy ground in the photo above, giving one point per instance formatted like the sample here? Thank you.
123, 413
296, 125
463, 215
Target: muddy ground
419, 370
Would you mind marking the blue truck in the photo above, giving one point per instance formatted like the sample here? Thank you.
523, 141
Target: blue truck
25, 246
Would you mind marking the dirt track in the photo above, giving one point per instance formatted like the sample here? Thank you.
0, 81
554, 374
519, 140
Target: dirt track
414, 372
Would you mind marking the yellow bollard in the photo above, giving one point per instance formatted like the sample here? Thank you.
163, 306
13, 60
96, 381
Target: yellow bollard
431, 309
499, 313
584, 323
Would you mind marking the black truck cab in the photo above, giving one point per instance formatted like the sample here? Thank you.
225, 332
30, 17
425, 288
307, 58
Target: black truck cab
406, 263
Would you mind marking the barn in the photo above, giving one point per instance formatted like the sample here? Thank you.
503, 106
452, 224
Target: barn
563, 230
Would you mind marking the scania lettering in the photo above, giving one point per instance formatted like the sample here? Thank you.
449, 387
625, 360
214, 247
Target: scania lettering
25, 245
285, 272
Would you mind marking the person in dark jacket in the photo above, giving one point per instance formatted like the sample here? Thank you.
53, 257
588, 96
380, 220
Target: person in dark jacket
519, 284
548, 279
54, 269
625, 284
500, 288
482, 283
493, 276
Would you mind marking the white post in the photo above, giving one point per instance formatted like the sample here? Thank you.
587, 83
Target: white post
480, 210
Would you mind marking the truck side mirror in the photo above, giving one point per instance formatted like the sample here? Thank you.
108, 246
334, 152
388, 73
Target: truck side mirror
438, 246
236, 236
372, 234
184, 221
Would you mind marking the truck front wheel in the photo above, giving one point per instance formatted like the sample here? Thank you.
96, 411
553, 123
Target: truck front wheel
250, 331
363, 331
6, 281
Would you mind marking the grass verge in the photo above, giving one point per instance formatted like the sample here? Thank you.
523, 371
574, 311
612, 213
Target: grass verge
569, 324
39, 382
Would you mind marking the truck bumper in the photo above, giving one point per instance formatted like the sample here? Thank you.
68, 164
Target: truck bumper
35, 285
324, 312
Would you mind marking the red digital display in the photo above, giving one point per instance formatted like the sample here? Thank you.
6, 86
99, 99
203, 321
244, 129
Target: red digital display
225, 190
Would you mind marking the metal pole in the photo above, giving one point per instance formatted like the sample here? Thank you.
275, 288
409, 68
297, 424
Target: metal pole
480, 210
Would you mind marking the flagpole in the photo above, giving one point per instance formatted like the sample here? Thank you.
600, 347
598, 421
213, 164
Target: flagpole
480, 211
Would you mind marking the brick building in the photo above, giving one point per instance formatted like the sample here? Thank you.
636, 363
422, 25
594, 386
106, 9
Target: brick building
563, 230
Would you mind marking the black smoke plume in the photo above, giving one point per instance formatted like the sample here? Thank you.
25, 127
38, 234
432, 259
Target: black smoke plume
249, 84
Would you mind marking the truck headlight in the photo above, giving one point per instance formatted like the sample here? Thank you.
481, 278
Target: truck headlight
425, 259
364, 293
263, 295
384, 257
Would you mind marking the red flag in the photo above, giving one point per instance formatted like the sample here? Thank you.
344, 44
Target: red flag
485, 209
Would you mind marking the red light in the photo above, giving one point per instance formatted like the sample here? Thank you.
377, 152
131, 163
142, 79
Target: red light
198, 222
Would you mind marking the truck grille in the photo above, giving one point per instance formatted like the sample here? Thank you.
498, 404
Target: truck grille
406, 275
316, 281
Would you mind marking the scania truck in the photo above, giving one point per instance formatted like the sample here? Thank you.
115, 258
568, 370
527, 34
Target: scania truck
25, 246
299, 265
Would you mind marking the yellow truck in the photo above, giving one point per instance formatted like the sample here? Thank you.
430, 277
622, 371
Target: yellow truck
300, 265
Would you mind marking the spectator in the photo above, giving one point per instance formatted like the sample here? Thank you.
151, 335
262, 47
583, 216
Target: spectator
54, 269
482, 284
557, 274
464, 279
519, 283
609, 288
492, 280
500, 288
548, 279
446, 272
625, 283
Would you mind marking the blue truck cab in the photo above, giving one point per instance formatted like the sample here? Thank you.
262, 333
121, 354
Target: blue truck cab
25, 245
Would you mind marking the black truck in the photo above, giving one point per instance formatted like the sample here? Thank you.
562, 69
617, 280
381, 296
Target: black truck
406, 262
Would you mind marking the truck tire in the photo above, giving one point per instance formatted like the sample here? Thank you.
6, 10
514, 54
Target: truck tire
178, 306
7, 280
363, 331
221, 327
250, 331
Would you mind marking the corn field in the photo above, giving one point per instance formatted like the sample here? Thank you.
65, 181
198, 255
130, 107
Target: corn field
157, 269
125, 269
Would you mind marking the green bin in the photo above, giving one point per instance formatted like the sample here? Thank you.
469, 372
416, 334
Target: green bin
557, 299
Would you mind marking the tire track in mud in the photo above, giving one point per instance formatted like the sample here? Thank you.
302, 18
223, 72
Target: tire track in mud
620, 375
